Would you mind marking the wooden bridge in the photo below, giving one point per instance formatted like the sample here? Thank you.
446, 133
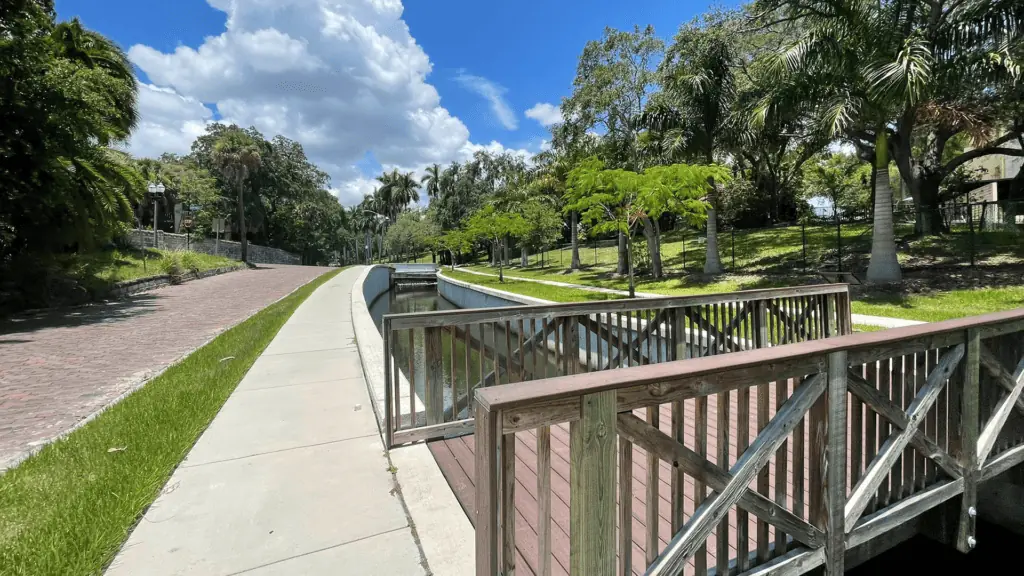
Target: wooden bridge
750, 433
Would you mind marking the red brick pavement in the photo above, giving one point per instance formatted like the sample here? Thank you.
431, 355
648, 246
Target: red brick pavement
58, 367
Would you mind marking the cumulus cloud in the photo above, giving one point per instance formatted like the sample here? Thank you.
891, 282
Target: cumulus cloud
494, 94
342, 77
545, 113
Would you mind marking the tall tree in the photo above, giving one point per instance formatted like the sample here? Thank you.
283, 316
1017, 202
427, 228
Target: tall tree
237, 156
614, 79
431, 181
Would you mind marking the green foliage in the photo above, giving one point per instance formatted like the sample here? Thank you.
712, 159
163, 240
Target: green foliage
411, 234
843, 179
69, 96
542, 226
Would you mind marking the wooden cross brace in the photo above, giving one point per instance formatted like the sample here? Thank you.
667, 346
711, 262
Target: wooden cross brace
895, 443
694, 533
1014, 385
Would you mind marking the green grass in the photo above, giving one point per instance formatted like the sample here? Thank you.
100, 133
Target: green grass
936, 306
67, 509
673, 286
98, 270
532, 289
866, 328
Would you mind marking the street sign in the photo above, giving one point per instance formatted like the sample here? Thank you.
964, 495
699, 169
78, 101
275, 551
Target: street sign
219, 225
187, 223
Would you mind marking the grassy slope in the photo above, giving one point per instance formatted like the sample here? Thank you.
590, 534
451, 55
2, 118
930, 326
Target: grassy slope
101, 269
532, 289
937, 306
68, 509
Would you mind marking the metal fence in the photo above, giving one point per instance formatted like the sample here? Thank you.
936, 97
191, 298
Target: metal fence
972, 234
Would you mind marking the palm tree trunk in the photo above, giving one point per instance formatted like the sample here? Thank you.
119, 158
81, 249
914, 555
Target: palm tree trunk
241, 224
712, 260
883, 266
575, 236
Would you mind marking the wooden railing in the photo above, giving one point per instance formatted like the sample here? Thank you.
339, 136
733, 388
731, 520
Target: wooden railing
811, 450
436, 360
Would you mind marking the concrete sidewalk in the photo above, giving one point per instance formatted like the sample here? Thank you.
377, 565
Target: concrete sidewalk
291, 477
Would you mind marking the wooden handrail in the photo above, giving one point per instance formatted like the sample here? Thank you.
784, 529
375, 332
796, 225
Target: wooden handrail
503, 313
789, 360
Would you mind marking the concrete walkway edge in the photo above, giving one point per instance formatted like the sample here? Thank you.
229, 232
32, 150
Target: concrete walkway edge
444, 533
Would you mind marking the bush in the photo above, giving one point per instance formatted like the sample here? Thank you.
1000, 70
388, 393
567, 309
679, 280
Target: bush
641, 256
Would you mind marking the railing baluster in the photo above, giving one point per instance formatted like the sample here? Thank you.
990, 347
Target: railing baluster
653, 545
799, 446
495, 358
465, 350
433, 378
623, 361
762, 335
508, 503
870, 429
625, 507
452, 372
742, 442
722, 458
508, 351
559, 353
781, 467
586, 343
482, 355
522, 353
544, 500
700, 434
412, 378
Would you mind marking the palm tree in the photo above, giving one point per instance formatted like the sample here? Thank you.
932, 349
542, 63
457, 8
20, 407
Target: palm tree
237, 157
93, 50
432, 181
845, 61
691, 117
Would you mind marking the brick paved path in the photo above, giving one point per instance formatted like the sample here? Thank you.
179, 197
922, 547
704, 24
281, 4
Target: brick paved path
58, 367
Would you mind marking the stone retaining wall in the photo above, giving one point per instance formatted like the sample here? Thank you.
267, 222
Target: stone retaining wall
228, 248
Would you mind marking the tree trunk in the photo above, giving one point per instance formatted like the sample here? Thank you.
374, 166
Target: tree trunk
501, 267
929, 214
622, 265
712, 260
524, 257
241, 224
632, 286
883, 266
575, 236
653, 236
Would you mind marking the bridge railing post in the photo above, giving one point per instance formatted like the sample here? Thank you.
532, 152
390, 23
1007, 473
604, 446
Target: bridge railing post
828, 463
969, 430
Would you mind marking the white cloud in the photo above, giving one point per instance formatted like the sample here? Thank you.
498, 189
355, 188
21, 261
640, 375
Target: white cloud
169, 122
343, 77
493, 93
546, 114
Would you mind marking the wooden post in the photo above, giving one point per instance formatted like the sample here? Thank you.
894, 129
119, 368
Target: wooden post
434, 377
969, 441
544, 501
486, 468
592, 451
834, 487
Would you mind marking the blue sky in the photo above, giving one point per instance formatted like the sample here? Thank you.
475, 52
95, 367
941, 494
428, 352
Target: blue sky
349, 81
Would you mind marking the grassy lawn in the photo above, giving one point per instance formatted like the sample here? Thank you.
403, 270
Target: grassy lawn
101, 269
936, 306
67, 509
532, 289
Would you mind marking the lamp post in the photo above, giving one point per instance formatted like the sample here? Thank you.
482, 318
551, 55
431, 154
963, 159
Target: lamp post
156, 191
